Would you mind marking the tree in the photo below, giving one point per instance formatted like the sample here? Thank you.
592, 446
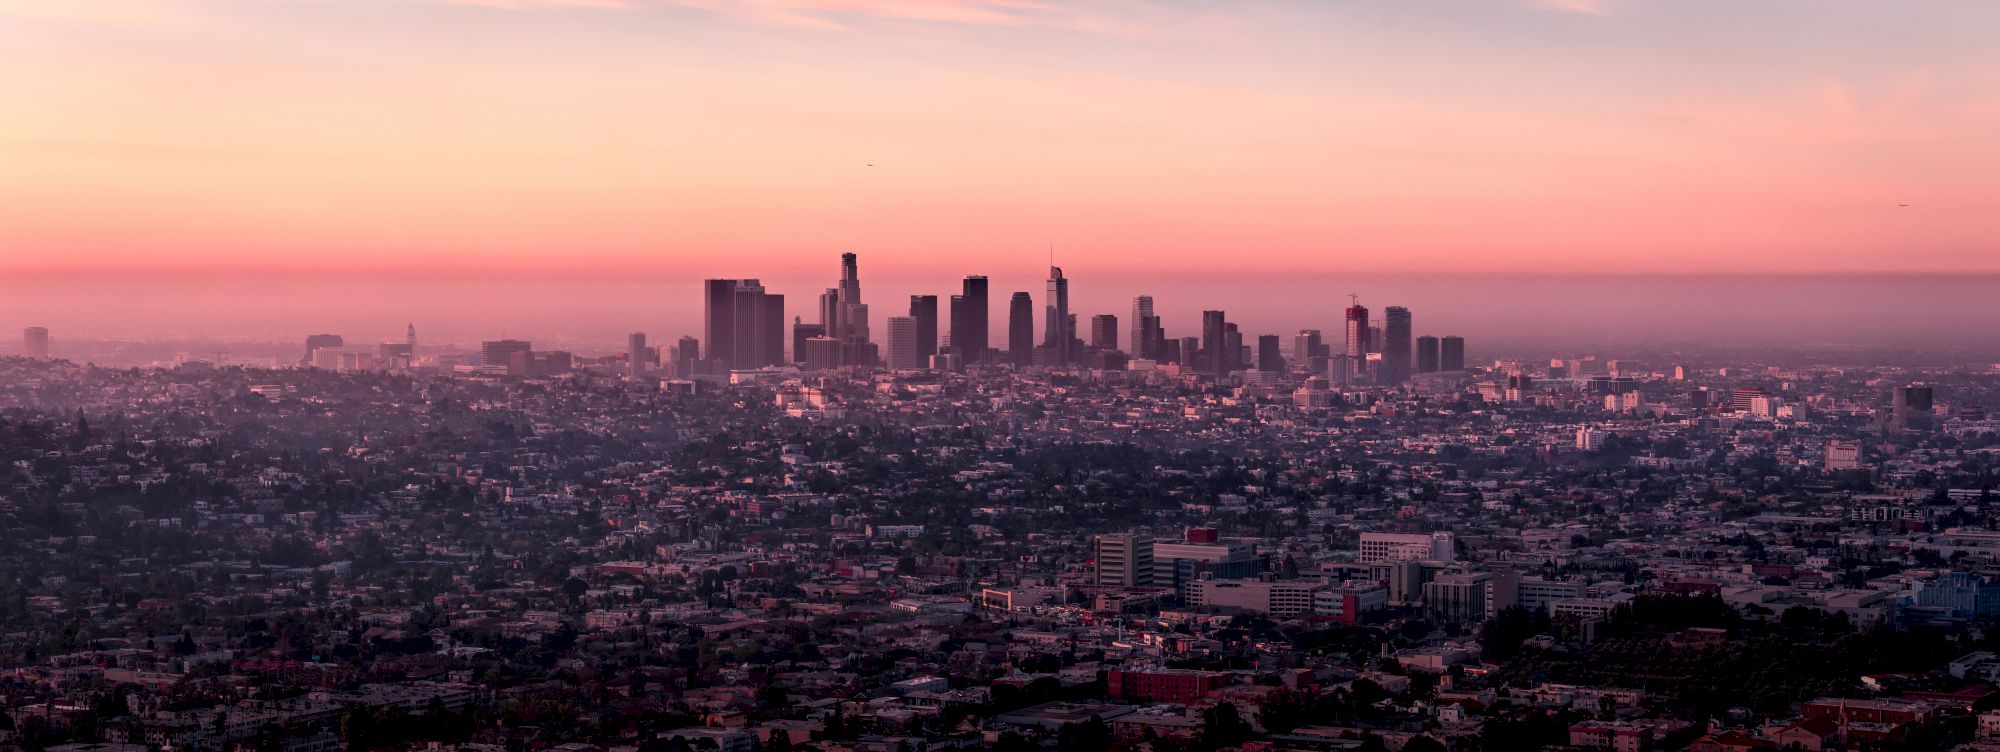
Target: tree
1093, 735
1222, 726
1013, 741
1285, 711
575, 587
770, 696
1423, 744
781, 741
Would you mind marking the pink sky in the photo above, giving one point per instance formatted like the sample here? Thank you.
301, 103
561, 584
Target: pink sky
733, 137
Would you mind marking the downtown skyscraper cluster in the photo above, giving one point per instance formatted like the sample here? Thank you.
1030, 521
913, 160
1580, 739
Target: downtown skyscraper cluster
744, 331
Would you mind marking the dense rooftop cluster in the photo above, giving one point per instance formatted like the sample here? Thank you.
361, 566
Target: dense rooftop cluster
1562, 554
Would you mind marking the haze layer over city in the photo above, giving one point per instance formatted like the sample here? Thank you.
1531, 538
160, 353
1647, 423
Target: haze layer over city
1026, 375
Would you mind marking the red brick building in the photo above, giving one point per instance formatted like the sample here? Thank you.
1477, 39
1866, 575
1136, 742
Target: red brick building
1164, 685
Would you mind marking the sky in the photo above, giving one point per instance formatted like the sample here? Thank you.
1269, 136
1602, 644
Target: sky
171, 146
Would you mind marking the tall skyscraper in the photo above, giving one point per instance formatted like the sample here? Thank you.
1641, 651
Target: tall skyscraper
905, 351
1306, 345
1058, 327
1216, 356
1396, 344
718, 328
1142, 344
35, 343
1236, 355
969, 314
745, 326
1155, 341
1357, 332
852, 313
1269, 358
686, 356
635, 351
318, 342
1021, 329
1104, 331
829, 311
1451, 353
1427, 354
924, 308
770, 335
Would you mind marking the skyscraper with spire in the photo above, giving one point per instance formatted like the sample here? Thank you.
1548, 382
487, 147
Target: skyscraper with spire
843, 318
1058, 326
852, 313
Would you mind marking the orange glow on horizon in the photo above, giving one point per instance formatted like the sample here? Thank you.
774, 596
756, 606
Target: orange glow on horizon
613, 137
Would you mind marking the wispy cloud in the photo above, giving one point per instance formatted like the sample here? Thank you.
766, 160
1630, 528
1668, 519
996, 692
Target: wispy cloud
1586, 7
839, 14
548, 4
95, 12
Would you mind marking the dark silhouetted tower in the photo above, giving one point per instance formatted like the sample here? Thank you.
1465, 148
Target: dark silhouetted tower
686, 356
1451, 354
1058, 327
1215, 343
1154, 339
850, 314
1269, 357
924, 308
771, 330
1104, 331
904, 351
500, 352
1912, 407
1021, 329
1427, 354
802, 333
969, 313
1232, 344
1142, 344
718, 328
1396, 344
745, 326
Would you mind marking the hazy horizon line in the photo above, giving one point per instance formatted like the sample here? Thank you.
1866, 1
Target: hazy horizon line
556, 272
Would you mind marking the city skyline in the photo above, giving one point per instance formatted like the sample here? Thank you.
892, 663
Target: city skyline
1513, 313
1274, 376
